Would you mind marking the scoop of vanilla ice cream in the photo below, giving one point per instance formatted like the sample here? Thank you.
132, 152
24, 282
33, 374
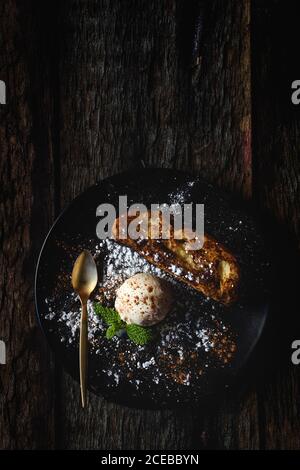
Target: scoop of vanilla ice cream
143, 299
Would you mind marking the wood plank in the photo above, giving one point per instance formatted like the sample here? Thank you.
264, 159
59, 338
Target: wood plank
220, 117
277, 180
128, 94
26, 211
105, 66
232, 423
221, 151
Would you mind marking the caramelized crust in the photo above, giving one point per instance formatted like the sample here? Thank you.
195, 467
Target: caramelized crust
211, 270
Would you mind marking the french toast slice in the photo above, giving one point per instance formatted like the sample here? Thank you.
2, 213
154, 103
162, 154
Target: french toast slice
212, 270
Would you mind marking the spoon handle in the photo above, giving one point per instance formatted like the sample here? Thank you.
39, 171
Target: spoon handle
83, 352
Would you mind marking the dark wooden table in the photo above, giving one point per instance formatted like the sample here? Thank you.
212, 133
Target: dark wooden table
94, 88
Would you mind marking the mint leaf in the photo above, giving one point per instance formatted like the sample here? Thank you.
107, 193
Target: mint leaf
138, 334
109, 315
112, 330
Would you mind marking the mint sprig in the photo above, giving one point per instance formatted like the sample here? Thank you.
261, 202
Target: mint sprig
138, 334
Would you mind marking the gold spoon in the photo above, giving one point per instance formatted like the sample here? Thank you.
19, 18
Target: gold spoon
84, 281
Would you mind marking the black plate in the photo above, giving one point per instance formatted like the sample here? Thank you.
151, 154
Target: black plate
201, 345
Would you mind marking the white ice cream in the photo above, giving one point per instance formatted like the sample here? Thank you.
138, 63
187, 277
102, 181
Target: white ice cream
143, 299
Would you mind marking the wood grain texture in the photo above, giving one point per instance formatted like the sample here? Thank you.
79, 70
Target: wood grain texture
26, 390
127, 93
276, 169
220, 113
106, 64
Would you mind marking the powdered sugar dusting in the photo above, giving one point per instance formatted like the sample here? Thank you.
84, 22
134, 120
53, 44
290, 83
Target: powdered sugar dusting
184, 344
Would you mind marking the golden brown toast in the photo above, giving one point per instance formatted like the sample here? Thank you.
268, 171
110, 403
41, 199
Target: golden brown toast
211, 270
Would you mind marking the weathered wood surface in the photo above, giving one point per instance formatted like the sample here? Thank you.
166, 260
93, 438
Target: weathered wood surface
26, 211
276, 170
96, 87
